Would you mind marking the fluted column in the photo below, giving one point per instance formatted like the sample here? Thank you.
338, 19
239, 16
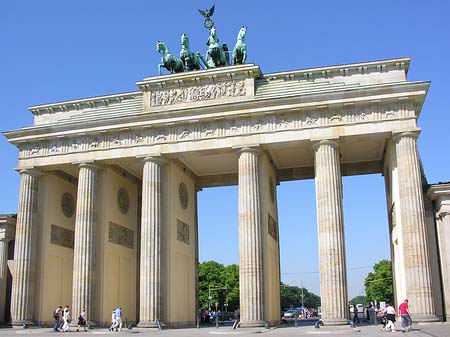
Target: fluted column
412, 214
84, 259
250, 240
443, 229
330, 222
22, 297
151, 271
3, 274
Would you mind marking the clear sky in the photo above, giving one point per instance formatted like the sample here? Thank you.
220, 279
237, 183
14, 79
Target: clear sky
60, 50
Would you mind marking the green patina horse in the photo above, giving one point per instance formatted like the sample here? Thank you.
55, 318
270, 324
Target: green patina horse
190, 60
240, 50
216, 56
168, 61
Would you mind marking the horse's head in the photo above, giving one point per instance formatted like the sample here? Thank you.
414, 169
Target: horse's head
242, 32
185, 40
161, 46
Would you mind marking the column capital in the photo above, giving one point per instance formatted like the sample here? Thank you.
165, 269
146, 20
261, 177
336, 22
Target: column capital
155, 159
87, 164
396, 136
30, 171
329, 141
248, 149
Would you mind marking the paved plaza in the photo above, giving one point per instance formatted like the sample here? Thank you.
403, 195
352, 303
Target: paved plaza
433, 330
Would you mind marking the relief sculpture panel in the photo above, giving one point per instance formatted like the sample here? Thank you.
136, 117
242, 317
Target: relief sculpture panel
197, 93
61, 236
121, 235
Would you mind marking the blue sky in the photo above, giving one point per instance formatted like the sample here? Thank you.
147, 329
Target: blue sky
60, 50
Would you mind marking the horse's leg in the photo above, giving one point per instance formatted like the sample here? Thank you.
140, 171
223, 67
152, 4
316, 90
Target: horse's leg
159, 68
244, 55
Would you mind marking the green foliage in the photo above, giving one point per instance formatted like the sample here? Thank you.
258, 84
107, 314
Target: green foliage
292, 296
358, 300
379, 282
213, 275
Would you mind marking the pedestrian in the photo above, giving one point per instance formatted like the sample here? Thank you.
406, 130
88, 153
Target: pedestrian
403, 311
119, 313
82, 320
390, 317
372, 314
113, 321
355, 316
66, 318
57, 316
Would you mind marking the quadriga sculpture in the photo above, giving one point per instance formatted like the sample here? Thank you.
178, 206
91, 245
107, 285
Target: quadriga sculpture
240, 50
168, 61
189, 59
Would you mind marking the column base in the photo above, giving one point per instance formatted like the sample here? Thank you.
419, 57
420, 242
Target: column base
424, 318
251, 324
22, 324
335, 321
150, 324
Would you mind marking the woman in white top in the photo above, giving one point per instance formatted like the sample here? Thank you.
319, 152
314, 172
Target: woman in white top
390, 317
66, 317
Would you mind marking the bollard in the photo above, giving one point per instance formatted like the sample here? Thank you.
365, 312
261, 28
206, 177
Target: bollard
217, 321
295, 320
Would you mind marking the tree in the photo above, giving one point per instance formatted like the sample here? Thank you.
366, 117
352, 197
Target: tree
223, 280
291, 296
379, 282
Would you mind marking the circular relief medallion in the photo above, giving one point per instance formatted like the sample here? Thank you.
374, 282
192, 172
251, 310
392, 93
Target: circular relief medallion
183, 195
67, 205
123, 201
271, 189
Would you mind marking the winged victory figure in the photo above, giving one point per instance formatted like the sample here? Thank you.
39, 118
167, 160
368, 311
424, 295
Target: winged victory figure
207, 13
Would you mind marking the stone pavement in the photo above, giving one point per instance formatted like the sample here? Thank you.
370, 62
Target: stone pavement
429, 330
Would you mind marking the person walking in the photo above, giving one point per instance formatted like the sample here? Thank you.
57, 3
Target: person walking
355, 315
113, 321
119, 313
82, 320
66, 318
57, 316
403, 311
390, 317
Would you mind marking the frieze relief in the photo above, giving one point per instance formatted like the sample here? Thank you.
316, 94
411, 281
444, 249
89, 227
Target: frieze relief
221, 128
182, 232
61, 236
121, 235
197, 93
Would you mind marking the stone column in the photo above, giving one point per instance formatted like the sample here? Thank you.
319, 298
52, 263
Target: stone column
7, 230
3, 274
22, 297
443, 231
330, 222
84, 259
151, 271
250, 240
412, 214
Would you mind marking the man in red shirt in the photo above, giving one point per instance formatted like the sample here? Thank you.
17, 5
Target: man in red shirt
404, 314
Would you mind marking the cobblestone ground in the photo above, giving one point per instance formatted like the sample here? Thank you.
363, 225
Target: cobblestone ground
430, 330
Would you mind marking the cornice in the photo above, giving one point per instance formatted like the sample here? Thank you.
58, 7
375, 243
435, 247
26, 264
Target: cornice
437, 190
402, 91
79, 104
344, 69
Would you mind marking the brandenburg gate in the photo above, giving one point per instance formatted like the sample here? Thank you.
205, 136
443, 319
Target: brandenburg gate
108, 193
